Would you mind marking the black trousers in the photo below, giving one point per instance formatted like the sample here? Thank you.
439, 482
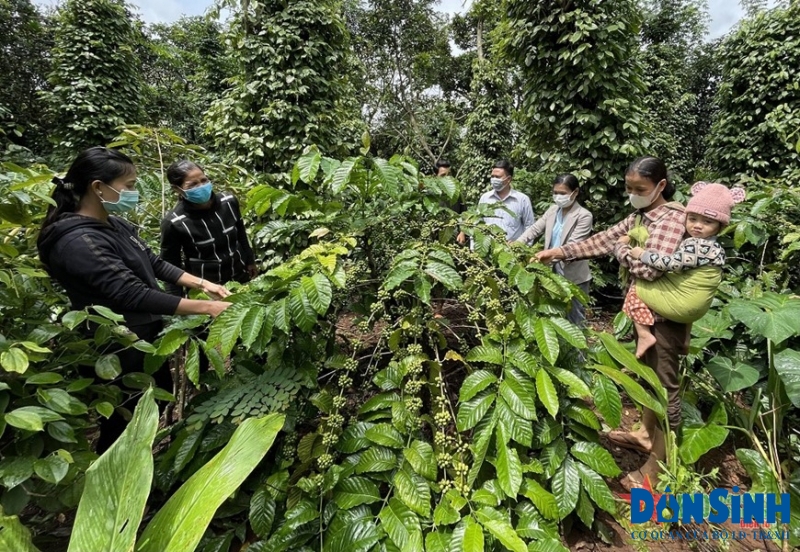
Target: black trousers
132, 360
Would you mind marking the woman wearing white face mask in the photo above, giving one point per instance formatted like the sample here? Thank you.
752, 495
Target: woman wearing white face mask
566, 221
649, 192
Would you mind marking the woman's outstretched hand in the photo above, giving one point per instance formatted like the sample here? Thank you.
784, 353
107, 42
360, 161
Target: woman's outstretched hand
215, 291
549, 255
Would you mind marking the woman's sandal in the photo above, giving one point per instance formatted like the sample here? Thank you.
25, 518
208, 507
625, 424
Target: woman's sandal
624, 440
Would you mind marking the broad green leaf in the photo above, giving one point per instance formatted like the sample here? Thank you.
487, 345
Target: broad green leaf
399, 274
262, 512
341, 177
486, 353
62, 402
15, 470
635, 391
547, 392
105, 409
353, 438
420, 456
776, 317
227, 327
14, 360
52, 469
473, 411
400, 523
566, 486
576, 387
14, 537
629, 361
171, 342
192, 364
699, 438
445, 513
385, 435
473, 536
596, 457
525, 362
355, 491
544, 501
475, 383
509, 468
546, 339
29, 418
532, 525
45, 378
445, 274
596, 488
181, 522
763, 480
117, 487
585, 509
732, 377
607, 400
583, 414
108, 313
303, 313
353, 531
319, 291
376, 459
519, 393
787, 364
251, 326
413, 490
571, 333
438, 541
501, 529
526, 318
107, 367
308, 165
547, 545
481, 439
514, 426
422, 287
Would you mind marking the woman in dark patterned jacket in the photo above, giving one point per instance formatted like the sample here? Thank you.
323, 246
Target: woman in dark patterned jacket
204, 233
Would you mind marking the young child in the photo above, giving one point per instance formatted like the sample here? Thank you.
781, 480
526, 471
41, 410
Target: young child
707, 213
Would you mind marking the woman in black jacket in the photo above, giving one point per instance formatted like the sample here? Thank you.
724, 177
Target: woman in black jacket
204, 233
101, 260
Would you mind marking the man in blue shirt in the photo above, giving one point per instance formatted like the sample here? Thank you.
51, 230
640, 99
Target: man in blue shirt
520, 216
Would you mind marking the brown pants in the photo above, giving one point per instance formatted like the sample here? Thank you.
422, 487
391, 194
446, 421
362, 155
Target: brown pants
672, 341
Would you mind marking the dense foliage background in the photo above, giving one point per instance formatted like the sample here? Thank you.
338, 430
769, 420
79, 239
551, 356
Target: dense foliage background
419, 395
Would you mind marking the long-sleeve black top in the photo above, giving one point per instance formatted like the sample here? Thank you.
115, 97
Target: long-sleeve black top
208, 243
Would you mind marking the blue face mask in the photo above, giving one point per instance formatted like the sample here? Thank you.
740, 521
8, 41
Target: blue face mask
200, 194
128, 200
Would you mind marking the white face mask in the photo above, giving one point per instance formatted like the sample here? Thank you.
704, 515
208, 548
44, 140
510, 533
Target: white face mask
563, 201
497, 183
643, 202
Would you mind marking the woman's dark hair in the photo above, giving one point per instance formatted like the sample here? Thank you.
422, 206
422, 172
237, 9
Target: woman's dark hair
176, 173
569, 181
442, 163
97, 163
506, 165
654, 170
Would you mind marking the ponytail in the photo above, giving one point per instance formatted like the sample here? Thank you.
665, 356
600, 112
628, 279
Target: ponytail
66, 201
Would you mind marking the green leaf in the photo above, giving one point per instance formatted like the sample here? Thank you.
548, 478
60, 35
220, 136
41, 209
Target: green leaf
14, 360
319, 291
763, 480
117, 487
341, 177
62, 432
171, 342
509, 468
526, 319
386, 435
109, 314
15, 470
192, 364
700, 438
486, 353
400, 523
62, 402
502, 530
585, 509
251, 326
413, 490
576, 387
226, 328
445, 274
596, 457
546, 339
181, 522
350, 531
15, 537
422, 287
45, 378
355, 491
445, 513
262, 512
547, 392
107, 367
571, 333
520, 394
635, 391
52, 469
732, 378
583, 414
629, 361
607, 400
596, 488
475, 383
473, 537
544, 501
308, 165
105, 409
776, 317
26, 418
525, 362
473, 411
303, 314
399, 274
376, 459
566, 487
353, 438
787, 364
547, 545
438, 541
421, 457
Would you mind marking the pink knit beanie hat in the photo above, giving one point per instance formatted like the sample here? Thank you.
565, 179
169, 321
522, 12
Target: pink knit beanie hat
714, 201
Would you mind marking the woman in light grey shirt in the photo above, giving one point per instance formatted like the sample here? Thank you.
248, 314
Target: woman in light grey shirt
564, 222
